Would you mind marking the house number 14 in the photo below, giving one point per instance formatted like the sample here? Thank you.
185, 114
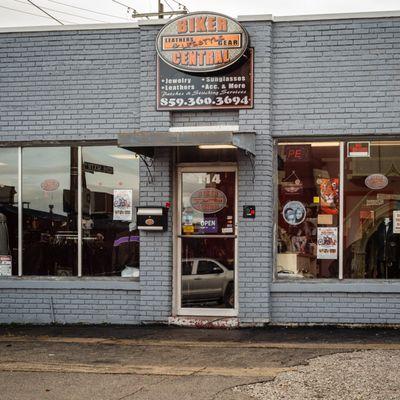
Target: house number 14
210, 178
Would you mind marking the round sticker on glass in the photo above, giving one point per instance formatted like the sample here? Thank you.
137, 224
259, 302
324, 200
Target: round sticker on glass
294, 212
376, 181
50, 185
208, 200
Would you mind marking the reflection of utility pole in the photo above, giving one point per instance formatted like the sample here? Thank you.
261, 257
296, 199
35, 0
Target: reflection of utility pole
51, 206
73, 190
160, 10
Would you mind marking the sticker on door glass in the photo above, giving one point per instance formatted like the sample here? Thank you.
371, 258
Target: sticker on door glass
209, 225
208, 200
294, 212
122, 205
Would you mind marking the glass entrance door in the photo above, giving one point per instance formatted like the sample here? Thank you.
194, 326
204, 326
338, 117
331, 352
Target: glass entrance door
206, 236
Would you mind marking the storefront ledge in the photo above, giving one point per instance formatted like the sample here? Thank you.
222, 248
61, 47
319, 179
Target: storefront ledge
353, 286
32, 283
204, 322
255, 18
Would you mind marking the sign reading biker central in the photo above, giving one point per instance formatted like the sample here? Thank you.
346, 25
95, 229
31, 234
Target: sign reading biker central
201, 42
204, 63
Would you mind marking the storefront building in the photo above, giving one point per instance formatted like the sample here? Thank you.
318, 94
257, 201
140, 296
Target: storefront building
202, 170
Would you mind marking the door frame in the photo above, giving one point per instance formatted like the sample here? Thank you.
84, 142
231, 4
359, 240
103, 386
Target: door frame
177, 309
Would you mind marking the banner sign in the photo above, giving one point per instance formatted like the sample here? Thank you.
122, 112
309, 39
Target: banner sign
177, 90
201, 42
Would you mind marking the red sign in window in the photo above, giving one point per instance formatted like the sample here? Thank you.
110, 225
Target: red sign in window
297, 153
358, 149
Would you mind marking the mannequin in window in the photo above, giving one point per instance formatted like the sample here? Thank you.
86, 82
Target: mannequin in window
383, 252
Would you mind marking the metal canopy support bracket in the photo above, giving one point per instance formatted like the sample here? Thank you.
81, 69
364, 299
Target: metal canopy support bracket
145, 142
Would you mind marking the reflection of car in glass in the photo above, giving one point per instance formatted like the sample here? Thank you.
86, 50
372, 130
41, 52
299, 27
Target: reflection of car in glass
282, 274
204, 280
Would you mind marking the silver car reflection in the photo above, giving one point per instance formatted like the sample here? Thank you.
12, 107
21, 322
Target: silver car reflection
207, 280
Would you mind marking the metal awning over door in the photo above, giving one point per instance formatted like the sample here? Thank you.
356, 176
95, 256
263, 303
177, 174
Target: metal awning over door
145, 142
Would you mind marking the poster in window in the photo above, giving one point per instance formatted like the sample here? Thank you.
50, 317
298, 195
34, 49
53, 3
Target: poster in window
396, 221
329, 195
327, 243
5, 265
122, 210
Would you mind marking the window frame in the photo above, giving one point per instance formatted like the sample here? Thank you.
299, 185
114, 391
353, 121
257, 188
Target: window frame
342, 153
20, 146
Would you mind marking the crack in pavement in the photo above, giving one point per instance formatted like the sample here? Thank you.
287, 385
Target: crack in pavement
214, 397
141, 388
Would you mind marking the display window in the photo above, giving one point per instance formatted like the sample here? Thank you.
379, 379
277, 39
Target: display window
9, 211
338, 210
371, 236
308, 223
49, 227
110, 191
69, 211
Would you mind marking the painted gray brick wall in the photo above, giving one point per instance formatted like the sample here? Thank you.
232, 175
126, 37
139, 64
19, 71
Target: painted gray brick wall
336, 77
156, 247
150, 118
203, 118
70, 306
255, 236
333, 308
69, 84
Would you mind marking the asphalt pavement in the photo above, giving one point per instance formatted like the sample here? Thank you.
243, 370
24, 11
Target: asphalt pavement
161, 362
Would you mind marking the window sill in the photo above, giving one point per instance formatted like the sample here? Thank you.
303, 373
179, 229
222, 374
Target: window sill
336, 286
111, 283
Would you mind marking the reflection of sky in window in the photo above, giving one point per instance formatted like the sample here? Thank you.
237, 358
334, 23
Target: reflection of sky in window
192, 181
39, 164
126, 171
9, 168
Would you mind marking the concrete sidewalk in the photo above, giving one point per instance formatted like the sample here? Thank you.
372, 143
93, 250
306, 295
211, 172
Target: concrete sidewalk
160, 362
